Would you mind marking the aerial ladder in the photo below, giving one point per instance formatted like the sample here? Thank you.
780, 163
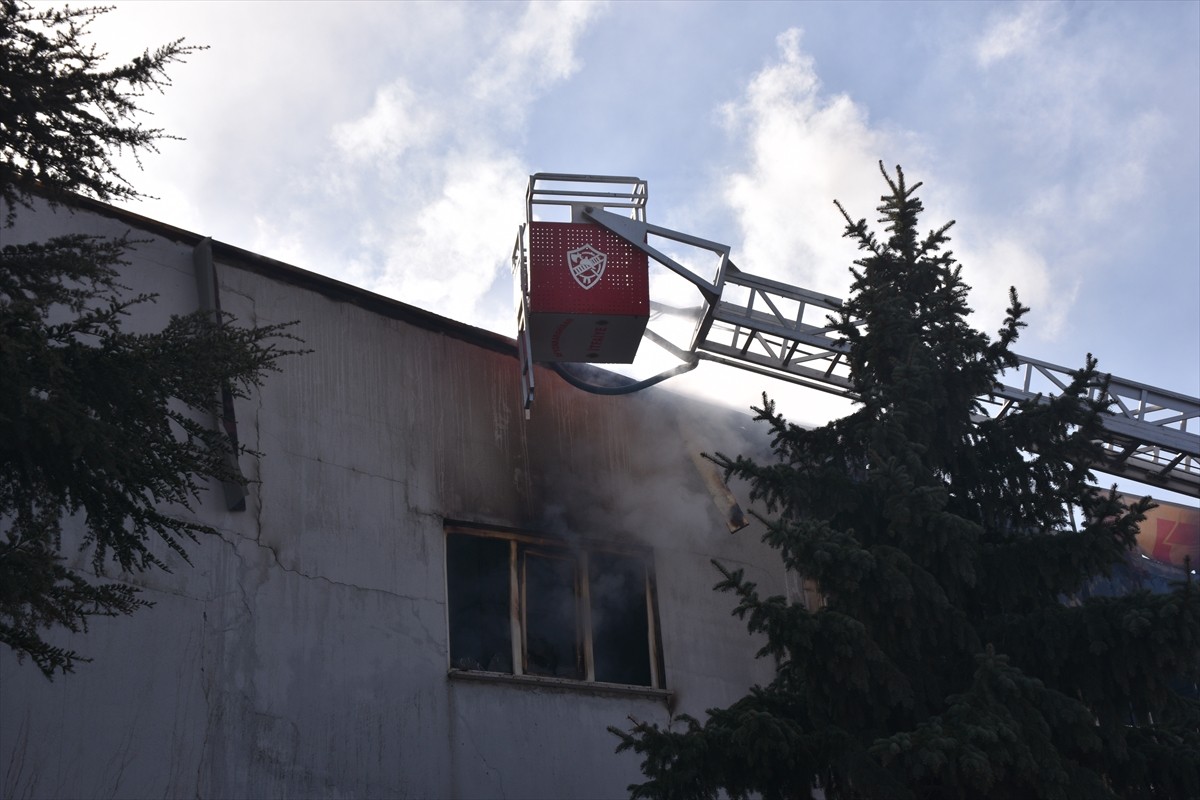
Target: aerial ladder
569, 311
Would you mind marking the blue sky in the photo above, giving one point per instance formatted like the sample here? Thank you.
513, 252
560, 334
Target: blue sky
388, 145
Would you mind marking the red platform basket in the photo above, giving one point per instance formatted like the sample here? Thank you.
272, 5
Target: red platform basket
589, 294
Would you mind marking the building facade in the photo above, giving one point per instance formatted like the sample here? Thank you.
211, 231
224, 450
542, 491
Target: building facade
423, 594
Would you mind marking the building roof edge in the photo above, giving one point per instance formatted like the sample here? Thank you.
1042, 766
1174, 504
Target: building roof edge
322, 284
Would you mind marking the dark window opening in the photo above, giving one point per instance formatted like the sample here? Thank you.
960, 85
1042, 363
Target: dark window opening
620, 623
527, 606
478, 588
550, 600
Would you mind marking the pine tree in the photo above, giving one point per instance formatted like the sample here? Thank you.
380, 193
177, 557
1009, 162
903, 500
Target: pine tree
63, 115
952, 656
97, 424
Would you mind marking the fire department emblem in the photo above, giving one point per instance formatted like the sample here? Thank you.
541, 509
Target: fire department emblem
587, 265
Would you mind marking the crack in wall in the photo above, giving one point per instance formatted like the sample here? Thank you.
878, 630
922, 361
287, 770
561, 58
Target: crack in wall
414, 602
347, 467
249, 298
467, 737
15, 774
206, 693
220, 693
126, 755
275, 559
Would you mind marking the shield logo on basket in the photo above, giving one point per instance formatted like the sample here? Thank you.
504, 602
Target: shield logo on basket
587, 265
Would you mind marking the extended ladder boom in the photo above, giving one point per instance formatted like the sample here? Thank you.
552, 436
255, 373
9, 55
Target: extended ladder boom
1151, 435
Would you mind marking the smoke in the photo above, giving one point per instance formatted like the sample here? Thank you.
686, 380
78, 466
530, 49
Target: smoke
631, 476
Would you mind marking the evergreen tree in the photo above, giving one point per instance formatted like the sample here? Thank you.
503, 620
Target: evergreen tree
98, 425
951, 657
63, 116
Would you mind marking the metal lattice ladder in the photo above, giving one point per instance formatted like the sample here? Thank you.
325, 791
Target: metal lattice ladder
774, 329
1152, 435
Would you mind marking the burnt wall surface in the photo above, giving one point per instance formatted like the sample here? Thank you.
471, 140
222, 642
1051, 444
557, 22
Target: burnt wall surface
304, 652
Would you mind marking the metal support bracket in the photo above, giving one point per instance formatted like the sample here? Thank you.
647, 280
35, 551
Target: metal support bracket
210, 303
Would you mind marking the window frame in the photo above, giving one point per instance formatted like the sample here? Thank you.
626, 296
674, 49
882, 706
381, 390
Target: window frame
577, 550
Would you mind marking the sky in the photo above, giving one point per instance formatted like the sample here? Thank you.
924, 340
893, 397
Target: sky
388, 145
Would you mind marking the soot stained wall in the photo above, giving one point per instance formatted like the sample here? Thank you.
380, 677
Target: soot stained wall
304, 652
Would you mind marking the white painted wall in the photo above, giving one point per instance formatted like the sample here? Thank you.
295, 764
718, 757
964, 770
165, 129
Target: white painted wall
304, 651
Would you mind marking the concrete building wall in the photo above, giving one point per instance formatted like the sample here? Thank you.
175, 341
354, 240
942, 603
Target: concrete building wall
304, 652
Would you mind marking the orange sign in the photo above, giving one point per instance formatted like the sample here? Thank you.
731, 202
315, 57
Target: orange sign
1171, 533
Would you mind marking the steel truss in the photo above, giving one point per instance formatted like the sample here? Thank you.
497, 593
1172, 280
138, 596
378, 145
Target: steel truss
1152, 435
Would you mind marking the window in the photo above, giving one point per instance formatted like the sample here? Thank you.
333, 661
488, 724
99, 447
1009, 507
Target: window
526, 605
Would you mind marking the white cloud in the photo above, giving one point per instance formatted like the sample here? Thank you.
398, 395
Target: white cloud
805, 149
1073, 133
399, 119
537, 52
447, 256
1107, 187
1016, 31
431, 170
1007, 261
1071, 105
